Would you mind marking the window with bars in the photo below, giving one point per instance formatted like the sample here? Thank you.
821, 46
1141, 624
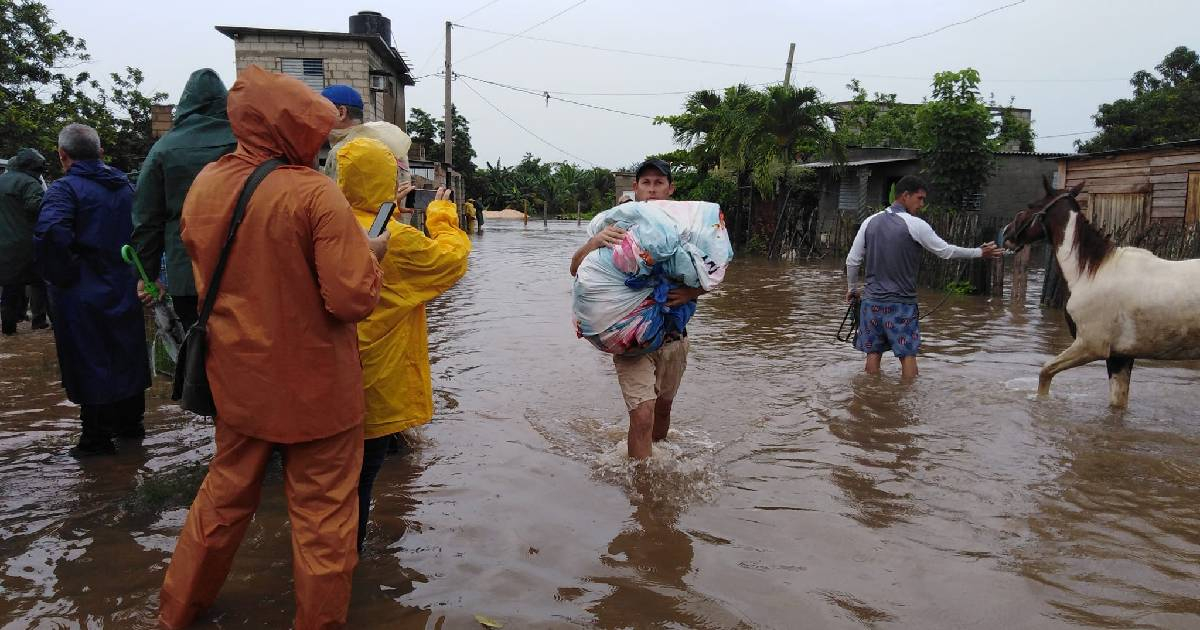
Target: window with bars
310, 71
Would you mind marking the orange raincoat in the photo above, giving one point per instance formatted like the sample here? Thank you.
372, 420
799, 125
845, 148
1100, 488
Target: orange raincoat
283, 353
416, 269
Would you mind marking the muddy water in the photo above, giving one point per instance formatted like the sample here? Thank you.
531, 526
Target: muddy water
794, 492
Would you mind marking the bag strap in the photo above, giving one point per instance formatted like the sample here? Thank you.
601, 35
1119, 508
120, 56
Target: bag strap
239, 212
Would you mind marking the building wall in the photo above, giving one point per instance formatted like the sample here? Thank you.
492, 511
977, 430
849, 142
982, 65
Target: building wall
1160, 173
161, 120
345, 60
1016, 182
622, 182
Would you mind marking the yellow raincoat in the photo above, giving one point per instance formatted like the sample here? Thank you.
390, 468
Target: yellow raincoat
392, 341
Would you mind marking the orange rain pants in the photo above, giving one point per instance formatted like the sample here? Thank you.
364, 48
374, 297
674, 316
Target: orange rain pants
321, 482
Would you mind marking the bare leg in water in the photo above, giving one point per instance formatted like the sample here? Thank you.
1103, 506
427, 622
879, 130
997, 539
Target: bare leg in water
662, 418
873, 359
641, 429
908, 365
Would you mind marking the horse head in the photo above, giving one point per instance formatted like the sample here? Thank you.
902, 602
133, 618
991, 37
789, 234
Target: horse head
1034, 222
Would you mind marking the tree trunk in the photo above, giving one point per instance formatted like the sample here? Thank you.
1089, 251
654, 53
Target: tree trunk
780, 213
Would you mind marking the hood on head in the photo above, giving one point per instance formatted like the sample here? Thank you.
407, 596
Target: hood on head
28, 160
277, 115
204, 94
366, 173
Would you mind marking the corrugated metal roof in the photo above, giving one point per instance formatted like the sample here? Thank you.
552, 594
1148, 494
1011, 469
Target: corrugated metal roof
1033, 153
860, 162
1151, 147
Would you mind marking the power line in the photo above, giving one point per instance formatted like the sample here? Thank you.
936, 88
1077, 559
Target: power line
514, 36
546, 95
730, 64
524, 128
1063, 135
762, 67
654, 93
477, 10
440, 44
617, 50
909, 39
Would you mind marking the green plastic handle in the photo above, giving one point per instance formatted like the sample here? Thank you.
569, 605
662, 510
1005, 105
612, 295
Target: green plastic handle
130, 256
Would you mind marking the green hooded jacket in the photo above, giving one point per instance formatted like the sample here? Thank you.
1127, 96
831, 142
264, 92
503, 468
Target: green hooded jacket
200, 135
20, 199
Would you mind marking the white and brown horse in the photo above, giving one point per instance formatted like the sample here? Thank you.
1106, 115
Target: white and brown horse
1126, 303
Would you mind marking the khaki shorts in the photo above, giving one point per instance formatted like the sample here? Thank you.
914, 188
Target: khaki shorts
652, 376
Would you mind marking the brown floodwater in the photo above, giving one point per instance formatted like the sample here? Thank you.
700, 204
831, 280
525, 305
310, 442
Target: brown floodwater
794, 492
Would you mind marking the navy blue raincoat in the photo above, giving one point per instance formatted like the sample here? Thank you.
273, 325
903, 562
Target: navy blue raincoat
99, 326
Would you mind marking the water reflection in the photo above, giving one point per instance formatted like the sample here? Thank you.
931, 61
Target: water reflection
384, 579
875, 422
1116, 533
647, 568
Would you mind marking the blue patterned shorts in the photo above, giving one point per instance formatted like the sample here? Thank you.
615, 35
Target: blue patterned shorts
888, 326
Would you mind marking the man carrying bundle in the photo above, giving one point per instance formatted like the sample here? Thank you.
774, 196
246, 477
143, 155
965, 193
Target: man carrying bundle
648, 381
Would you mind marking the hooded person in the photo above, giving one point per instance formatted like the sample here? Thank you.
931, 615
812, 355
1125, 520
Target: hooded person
200, 134
283, 361
393, 340
21, 191
350, 125
99, 327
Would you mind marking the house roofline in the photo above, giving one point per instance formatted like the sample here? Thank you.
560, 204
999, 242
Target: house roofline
382, 48
1149, 147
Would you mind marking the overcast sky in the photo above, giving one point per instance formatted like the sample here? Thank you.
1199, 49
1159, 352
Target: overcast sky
1060, 58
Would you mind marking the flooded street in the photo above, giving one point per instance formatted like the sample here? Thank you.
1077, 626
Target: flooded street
794, 492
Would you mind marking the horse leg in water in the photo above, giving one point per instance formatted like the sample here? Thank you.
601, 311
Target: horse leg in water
1119, 369
1074, 356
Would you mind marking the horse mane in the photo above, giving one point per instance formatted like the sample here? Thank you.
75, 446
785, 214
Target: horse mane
1090, 244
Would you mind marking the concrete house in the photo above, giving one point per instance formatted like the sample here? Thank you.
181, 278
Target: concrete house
363, 57
864, 181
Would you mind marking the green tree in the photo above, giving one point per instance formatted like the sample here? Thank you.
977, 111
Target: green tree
560, 184
754, 136
429, 131
1013, 128
39, 97
876, 121
1164, 108
954, 134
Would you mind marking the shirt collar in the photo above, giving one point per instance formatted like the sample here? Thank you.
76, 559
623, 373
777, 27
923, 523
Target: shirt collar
897, 208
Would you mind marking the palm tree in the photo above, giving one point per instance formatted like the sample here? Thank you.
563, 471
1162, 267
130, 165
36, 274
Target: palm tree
756, 134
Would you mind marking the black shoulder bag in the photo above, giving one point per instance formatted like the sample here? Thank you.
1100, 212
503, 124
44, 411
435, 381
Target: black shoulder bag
191, 375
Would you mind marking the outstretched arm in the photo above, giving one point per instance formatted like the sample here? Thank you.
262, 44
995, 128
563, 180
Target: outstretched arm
923, 234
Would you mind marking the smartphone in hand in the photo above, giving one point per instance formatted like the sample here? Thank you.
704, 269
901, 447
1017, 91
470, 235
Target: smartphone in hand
381, 220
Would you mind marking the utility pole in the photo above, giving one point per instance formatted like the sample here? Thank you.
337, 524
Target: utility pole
545, 209
448, 124
787, 75
578, 212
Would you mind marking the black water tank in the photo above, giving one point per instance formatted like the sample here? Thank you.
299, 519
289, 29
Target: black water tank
371, 23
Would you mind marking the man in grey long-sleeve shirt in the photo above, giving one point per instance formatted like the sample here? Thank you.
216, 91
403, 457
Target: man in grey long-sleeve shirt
891, 241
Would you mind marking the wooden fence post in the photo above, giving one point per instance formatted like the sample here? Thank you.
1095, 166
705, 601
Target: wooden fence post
1020, 271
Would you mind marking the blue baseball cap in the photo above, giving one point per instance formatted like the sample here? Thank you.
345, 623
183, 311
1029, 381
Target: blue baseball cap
343, 95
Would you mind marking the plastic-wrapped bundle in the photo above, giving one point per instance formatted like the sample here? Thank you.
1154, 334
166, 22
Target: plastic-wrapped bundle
620, 292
